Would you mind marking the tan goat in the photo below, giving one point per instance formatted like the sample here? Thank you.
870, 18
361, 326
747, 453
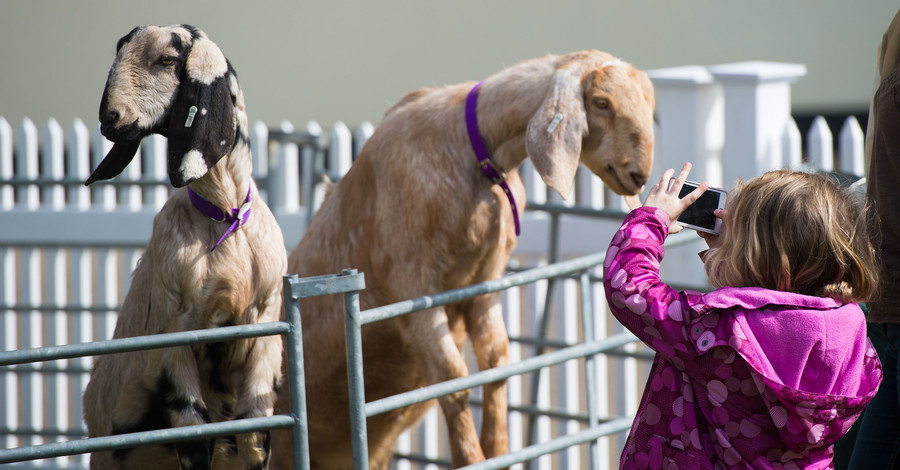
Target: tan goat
196, 272
417, 216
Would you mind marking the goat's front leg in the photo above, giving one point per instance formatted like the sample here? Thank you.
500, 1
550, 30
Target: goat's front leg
428, 337
174, 376
257, 398
486, 329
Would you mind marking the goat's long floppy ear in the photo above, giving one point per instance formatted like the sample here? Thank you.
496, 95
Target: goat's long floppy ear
202, 125
553, 138
119, 156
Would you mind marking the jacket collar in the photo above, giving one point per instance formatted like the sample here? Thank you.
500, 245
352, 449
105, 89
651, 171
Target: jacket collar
752, 298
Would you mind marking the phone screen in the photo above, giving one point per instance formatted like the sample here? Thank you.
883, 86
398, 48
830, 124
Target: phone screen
701, 212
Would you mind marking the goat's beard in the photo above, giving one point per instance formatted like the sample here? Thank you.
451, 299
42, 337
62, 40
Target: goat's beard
119, 156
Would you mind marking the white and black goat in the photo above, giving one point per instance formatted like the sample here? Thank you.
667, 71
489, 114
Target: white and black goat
215, 258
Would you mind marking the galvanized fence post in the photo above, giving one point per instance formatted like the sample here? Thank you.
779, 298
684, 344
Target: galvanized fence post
357, 390
349, 282
294, 347
587, 315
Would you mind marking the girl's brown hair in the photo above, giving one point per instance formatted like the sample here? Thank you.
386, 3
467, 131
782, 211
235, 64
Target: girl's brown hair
796, 232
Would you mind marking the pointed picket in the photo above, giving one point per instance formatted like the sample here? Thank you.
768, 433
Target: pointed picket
340, 150
78, 160
852, 144
26, 146
365, 130
821, 151
104, 195
53, 166
792, 145
309, 177
7, 191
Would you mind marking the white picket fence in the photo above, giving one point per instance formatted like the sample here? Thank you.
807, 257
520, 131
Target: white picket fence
67, 251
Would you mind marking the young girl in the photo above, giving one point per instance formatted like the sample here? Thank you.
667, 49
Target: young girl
772, 367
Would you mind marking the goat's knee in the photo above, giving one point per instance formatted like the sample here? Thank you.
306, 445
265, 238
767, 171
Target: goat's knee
164, 406
194, 455
185, 411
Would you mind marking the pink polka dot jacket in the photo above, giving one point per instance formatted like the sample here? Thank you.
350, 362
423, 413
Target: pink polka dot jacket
742, 377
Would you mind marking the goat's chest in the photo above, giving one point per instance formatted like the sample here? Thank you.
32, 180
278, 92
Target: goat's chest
215, 291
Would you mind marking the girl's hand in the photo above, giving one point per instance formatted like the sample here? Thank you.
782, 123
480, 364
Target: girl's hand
713, 241
663, 197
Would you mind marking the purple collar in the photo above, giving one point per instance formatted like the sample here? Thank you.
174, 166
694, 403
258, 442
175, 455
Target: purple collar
490, 170
236, 218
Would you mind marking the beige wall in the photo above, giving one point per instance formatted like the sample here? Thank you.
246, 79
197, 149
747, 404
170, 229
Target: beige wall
334, 60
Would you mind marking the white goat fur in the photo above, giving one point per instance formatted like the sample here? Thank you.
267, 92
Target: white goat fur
417, 217
179, 284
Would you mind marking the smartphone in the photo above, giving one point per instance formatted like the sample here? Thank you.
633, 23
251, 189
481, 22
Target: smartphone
700, 215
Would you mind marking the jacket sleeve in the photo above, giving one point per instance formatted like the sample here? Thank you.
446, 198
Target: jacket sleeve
656, 313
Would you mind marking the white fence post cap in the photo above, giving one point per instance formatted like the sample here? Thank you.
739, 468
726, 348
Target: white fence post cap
685, 75
758, 71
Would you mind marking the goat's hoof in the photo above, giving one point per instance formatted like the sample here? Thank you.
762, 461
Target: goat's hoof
254, 450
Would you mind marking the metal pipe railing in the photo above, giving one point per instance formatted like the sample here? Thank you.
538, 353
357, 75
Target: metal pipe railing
360, 410
531, 364
555, 445
294, 289
495, 285
165, 340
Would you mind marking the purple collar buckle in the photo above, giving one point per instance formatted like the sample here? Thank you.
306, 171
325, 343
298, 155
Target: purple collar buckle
236, 216
488, 167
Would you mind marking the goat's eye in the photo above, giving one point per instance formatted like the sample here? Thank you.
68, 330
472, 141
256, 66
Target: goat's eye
601, 103
167, 60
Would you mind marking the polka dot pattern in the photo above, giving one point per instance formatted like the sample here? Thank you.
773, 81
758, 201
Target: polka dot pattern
711, 401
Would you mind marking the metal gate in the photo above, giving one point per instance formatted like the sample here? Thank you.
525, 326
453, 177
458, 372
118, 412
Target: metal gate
350, 283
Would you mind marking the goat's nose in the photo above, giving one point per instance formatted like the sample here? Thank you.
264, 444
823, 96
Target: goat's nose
111, 117
639, 178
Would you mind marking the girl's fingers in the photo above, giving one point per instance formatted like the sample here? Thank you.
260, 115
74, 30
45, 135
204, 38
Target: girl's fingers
682, 176
692, 196
664, 180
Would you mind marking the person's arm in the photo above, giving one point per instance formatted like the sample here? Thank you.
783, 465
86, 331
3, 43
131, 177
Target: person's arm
637, 297
653, 311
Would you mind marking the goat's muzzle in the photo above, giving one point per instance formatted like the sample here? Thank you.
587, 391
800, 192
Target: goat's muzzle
112, 130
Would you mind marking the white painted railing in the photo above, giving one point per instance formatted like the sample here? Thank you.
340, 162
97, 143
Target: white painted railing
66, 251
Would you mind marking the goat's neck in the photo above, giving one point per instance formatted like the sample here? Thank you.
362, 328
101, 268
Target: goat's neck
507, 101
226, 183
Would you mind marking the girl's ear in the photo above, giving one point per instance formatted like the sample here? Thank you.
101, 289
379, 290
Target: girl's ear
554, 134
202, 124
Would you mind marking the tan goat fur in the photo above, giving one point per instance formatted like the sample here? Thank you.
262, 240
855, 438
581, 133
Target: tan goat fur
180, 285
416, 216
